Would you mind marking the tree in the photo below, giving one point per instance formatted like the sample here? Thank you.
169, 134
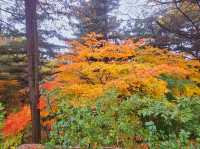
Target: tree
174, 24
181, 24
33, 66
97, 65
94, 16
49, 12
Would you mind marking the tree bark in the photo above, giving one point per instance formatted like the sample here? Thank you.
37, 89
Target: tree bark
33, 66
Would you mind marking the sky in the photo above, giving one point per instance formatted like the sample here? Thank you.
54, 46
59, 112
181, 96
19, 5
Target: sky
133, 8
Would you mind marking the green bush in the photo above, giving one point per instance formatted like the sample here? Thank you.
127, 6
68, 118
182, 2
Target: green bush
104, 125
160, 123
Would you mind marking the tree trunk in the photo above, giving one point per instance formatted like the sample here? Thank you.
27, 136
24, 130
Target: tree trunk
33, 66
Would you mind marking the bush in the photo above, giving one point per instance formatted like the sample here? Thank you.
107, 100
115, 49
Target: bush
106, 124
158, 123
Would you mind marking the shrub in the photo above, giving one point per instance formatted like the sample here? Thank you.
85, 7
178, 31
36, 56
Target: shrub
119, 123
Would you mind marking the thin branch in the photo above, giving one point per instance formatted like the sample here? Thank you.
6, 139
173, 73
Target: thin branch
5, 23
7, 11
166, 2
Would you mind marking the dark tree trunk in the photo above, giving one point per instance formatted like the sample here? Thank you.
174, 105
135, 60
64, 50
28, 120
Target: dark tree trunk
33, 66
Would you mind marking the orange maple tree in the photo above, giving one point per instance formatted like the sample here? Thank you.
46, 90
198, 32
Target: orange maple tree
17, 122
95, 65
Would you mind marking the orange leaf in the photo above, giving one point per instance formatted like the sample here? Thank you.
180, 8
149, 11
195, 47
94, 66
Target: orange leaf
16, 122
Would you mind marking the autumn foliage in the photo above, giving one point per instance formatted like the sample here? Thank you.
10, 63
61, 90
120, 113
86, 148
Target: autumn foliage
16, 122
95, 66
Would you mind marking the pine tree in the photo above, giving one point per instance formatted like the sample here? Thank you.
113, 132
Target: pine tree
49, 12
12, 69
95, 16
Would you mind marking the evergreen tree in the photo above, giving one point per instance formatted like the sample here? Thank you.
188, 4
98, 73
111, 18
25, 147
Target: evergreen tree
12, 69
94, 16
48, 12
